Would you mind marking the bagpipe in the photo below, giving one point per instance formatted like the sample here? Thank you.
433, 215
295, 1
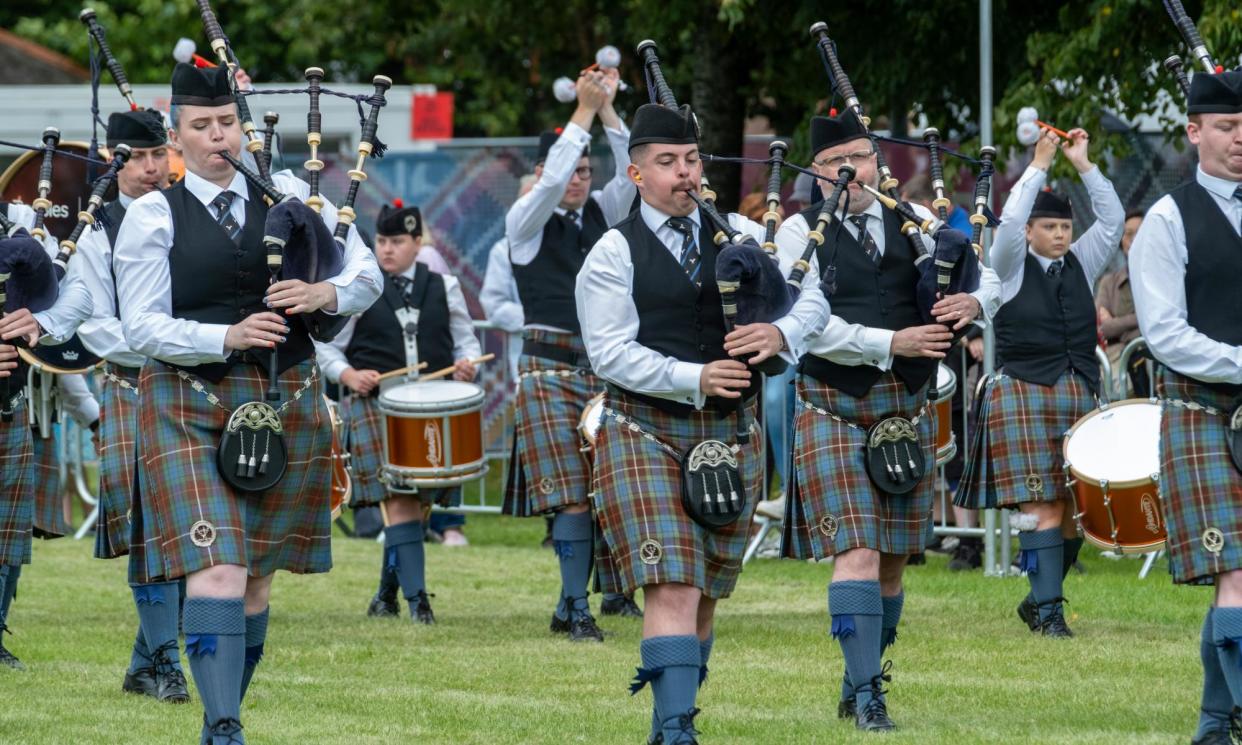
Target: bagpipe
27, 281
952, 268
1194, 42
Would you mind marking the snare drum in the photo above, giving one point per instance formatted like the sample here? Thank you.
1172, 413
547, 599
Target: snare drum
589, 423
433, 435
342, 484
942, 400
1112, 461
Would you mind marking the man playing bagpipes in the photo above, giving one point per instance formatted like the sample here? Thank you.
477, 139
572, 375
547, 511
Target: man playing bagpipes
236, 485
1048, 374
428, 309
1184, 267
550, 232
863, 440
155, 664
34, 309
678, 464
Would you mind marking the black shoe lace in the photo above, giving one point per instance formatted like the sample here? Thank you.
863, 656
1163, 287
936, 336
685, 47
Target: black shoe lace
1056, 619
230, 728
685, 723
876, 707
1235, 726
161, 659
585, 624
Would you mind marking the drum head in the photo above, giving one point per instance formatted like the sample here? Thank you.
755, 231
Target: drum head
432, 396
1120, 443
946, 383
71, 185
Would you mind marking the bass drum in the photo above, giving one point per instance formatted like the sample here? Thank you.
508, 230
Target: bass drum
71, 188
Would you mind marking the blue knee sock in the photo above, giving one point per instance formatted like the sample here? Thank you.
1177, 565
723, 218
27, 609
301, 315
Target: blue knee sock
857, 622
140, 657
705, 652
1043, 559
406, 540
388, 584
215, 642
12, 572
1216, 704
158, 607
1227, 635
671, 664
571, 539
892, 616
256, 634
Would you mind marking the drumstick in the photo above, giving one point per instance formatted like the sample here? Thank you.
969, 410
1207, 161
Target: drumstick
402, 371
444, 373
1054, 130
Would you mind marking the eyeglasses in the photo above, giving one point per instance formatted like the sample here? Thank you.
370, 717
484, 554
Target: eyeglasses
836, 162
584, 172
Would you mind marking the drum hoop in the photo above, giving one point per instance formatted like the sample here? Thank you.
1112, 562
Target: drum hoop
1125, 548
20, 161
430, 413
936, 395
30, 359
1093, 480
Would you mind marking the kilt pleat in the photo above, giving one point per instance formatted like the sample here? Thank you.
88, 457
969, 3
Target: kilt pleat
118, 459
49, 496
833, 505
201, 521
647, 537
17, 476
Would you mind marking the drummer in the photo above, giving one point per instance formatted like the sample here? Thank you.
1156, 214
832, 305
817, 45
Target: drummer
429, 310
1184, 267
1049, 376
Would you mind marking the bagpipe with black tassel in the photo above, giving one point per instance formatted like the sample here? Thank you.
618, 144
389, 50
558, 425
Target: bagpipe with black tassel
27, 282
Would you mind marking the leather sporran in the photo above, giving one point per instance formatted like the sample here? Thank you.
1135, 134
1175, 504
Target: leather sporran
895, 461
713, 493
252, 455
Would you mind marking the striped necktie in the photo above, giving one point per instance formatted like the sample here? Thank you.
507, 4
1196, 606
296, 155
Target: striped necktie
865, 240
689, 247
224, 215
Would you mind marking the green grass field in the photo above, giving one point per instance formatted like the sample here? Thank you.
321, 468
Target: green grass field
965, 669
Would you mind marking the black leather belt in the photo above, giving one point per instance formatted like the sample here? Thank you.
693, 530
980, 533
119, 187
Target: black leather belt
546, 351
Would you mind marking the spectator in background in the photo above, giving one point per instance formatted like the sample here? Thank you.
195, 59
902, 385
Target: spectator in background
1118, 322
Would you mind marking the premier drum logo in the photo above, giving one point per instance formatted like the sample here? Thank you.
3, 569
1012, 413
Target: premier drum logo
435, 444
1151, 513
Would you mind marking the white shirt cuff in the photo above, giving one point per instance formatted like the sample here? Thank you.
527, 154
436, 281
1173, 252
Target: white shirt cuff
877, 347
686, 376
209, 338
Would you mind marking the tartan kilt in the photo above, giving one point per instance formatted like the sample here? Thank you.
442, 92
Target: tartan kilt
17, 475
1200, 488
49, 493
364, 426
1015, 453
637, 498
118, 462
548, 470
287, 527
834, 506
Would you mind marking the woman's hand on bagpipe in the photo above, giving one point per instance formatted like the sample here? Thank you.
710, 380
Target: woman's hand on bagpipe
464, 370
20, 324
361, 382
922, 341
724, 378
763, 340
8, 360
264, 330
1076, 149
958, 309
295, 296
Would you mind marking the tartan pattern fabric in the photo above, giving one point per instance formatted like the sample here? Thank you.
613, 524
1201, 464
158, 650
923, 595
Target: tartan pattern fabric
201, 520
1200, 489
648, 539
833, 505
17, 476
548, 469
49, 496
118, 453
1015, 452
364, 425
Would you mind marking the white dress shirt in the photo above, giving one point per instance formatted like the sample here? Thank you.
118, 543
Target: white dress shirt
429, 255
1158, 279
101, 333
604, 294
501, 302
331, 354
76, 399
144, 284
73, 301
848, 343
1093, 249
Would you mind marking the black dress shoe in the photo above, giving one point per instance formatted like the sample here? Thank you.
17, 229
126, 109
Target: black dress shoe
171, 687
141, 681
658, 739
620, 606
559, 625
1215, 737
582, 627
916, 560
1029, 613
383, 608
8, 659
420, 610
846, 708
966, 556
873, 716
1054, 625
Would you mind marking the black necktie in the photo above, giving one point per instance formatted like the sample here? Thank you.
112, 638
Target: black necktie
224, 215
1237, 193
865, 240
405, 286
1054, 269
574, 217
689, 247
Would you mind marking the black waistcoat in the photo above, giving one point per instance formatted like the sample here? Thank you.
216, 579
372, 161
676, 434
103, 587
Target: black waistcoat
546, 284
1213, 266
879, 297
1049, 326
674, 317
217, 281
378, 342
